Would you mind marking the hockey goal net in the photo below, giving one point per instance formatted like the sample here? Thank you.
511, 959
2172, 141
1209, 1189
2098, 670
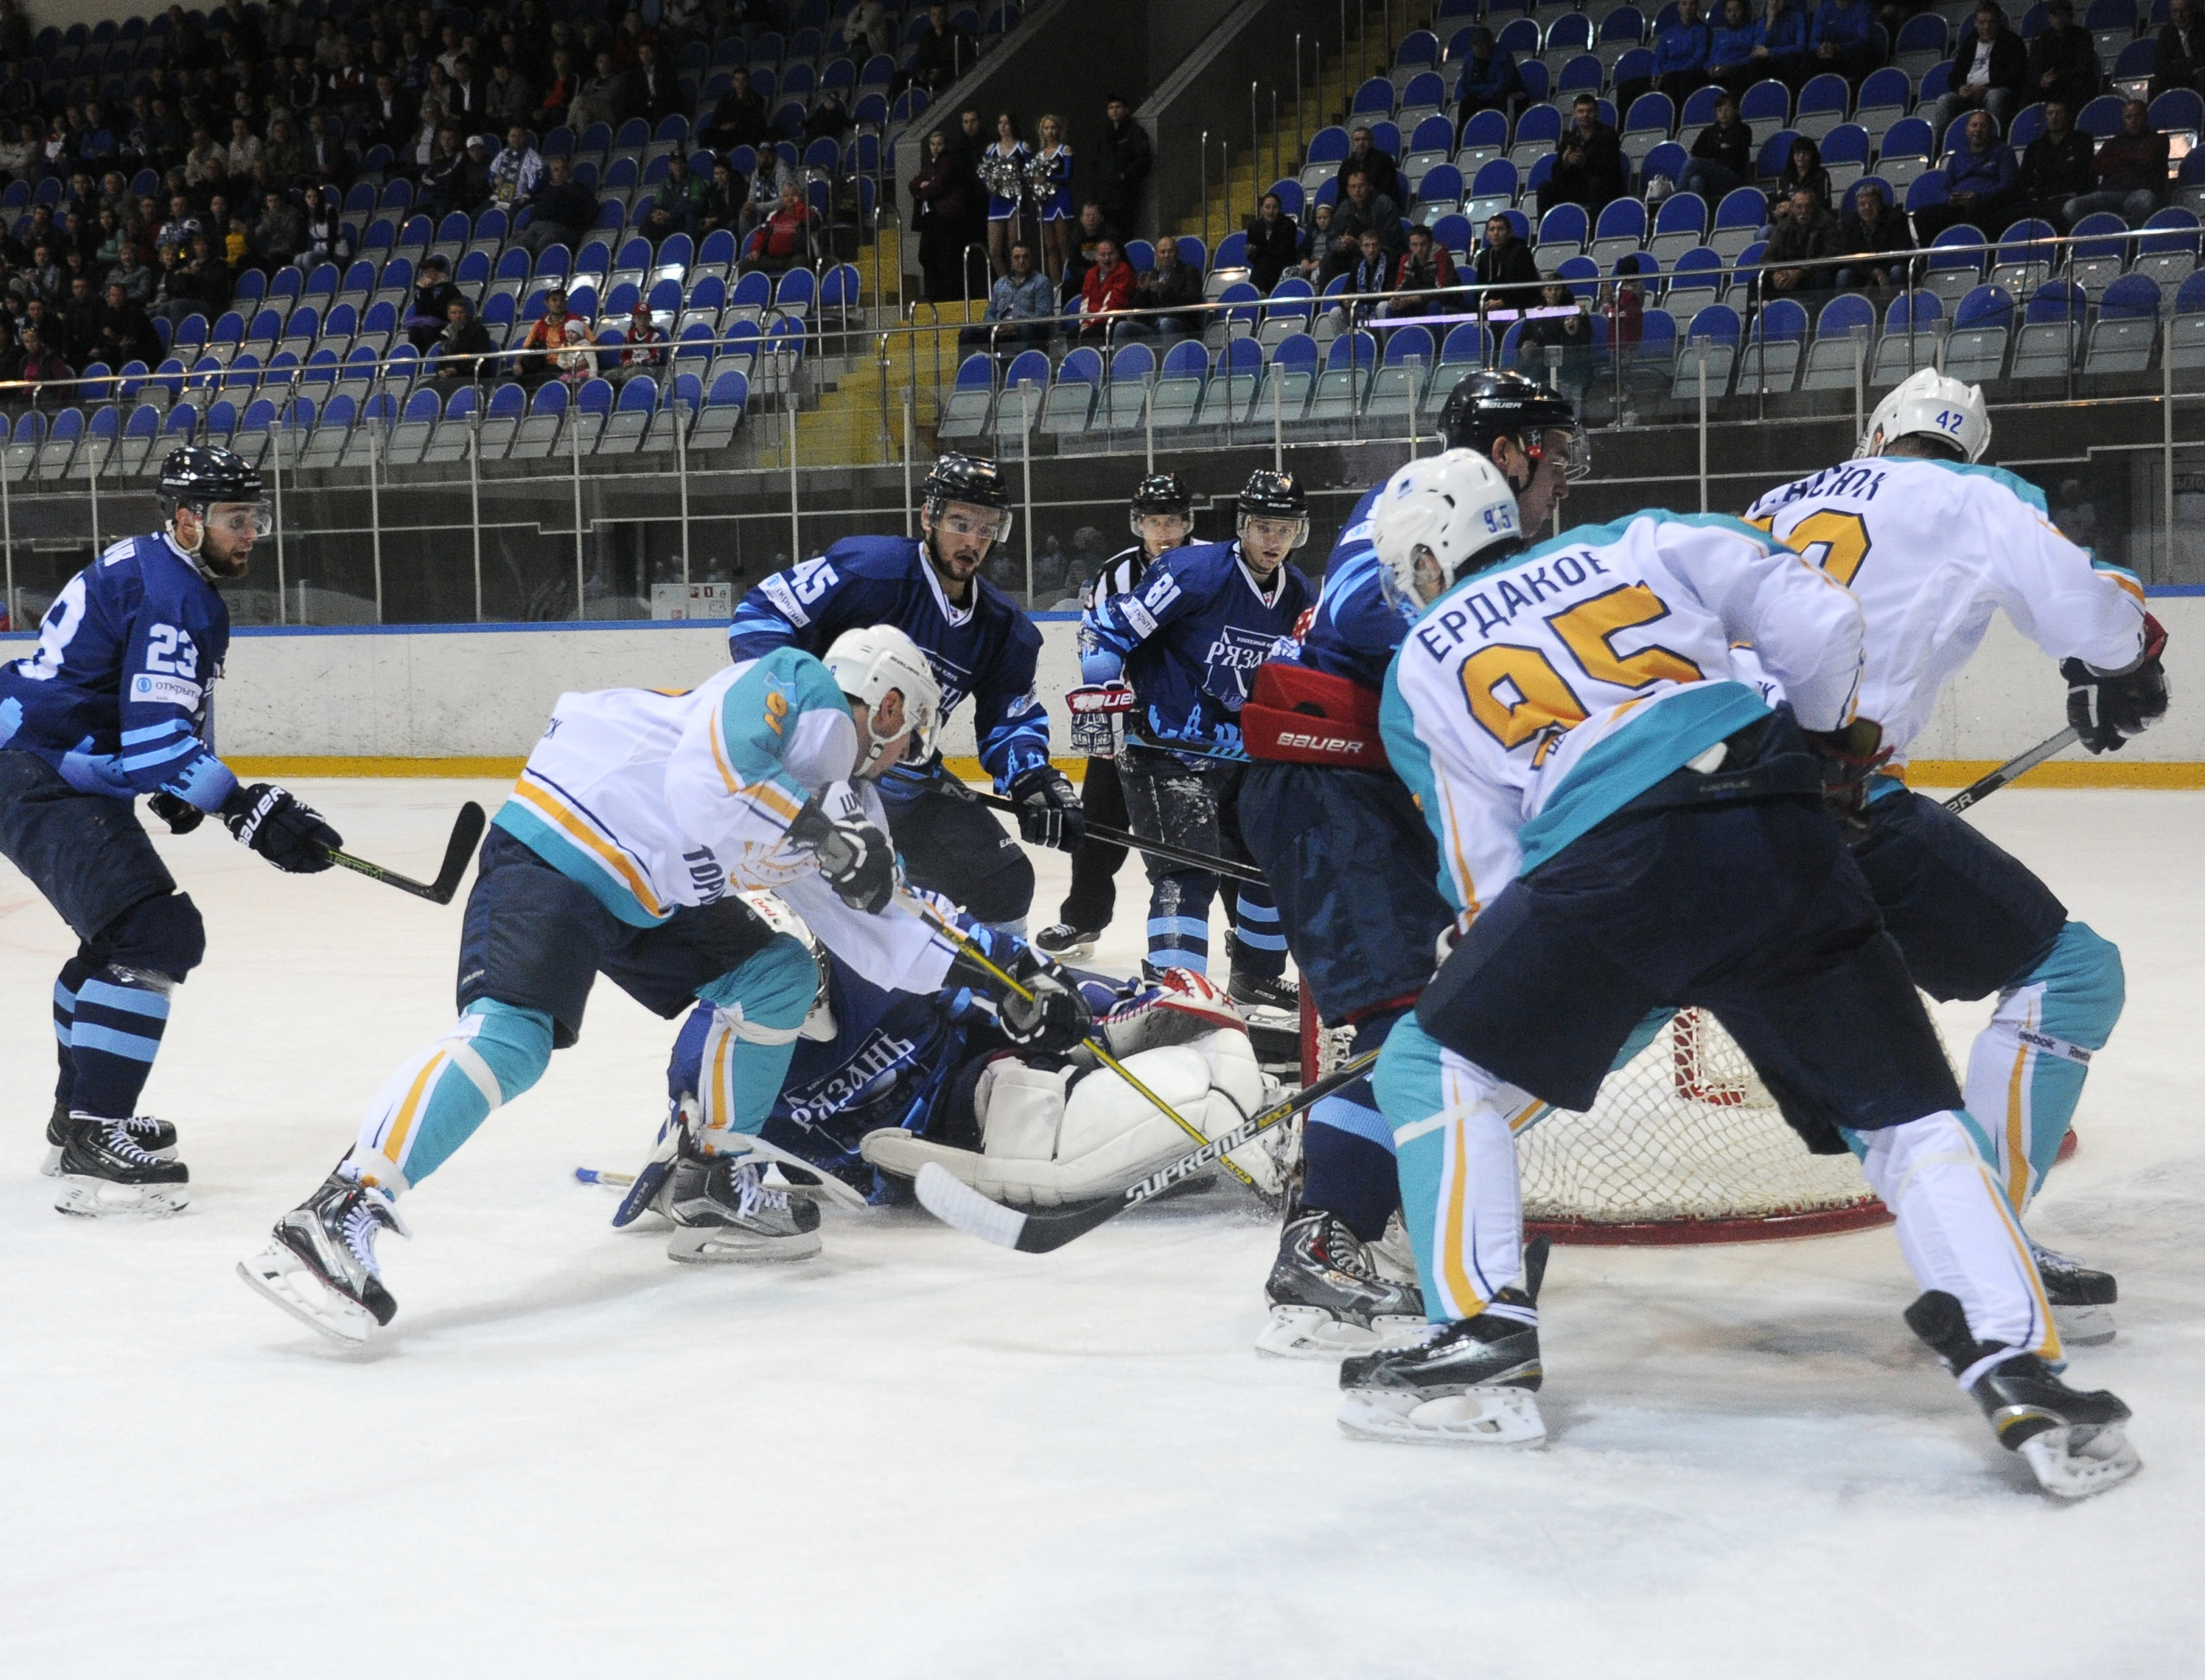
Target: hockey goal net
1684, 1145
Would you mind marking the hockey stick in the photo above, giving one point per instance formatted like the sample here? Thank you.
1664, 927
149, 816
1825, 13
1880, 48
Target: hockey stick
465, 833
2049, 747
955, 1202
1093, 1041
1160, 848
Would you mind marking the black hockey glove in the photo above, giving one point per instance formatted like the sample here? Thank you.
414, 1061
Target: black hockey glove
181, 814
291, 836
2106, 707
1849, 756
852, 853
1049, 812
1054, 1021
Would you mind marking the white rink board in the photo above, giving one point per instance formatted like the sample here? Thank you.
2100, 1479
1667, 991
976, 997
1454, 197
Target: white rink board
466, 693
920, 1456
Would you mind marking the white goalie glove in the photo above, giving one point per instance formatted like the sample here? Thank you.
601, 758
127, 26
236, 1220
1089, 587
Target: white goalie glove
1053, 1136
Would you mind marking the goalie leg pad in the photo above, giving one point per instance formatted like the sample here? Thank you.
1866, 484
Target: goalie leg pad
2026, 1068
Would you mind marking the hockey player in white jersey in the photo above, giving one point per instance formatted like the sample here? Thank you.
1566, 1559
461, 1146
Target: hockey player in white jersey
1623, 826
1933, 544
636, 812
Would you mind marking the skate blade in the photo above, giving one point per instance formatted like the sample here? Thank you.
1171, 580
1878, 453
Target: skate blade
2075, 1462
274, 1273
1478, 1417
704, 1244
1310, 1332
85, 1197
2085, 1326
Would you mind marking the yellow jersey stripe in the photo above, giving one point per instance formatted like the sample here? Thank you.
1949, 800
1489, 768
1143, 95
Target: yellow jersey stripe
1465, 1300
548, 805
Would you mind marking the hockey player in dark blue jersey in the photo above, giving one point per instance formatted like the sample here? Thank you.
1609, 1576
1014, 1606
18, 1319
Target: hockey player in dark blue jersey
883, 1082
1189, 641
114, 703
980, 645
1351, 863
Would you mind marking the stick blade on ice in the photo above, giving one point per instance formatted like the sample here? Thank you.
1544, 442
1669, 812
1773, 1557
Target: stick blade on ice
956, 1204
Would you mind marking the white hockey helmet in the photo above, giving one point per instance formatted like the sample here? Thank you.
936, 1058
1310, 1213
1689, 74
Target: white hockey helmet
875, 662
1450, 507
1930, 404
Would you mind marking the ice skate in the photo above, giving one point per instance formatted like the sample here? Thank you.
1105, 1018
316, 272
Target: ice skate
156, 1138
320, 1267
106, 1168
2071, 1439
1467, 1383
2082, 1299
1063, 942
723, 1210
1259, 991
1329, 1298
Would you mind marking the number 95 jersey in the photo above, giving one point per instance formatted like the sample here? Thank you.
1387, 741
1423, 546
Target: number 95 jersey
1932, 548
1536, 699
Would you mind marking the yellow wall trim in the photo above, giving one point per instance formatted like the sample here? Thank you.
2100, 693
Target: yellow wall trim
2111, 771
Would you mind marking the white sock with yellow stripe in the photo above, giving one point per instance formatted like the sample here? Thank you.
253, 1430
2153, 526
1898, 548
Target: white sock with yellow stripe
434, 1102
1956, 1231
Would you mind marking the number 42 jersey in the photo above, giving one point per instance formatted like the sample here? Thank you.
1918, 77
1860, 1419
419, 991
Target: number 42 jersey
1536, 699
1932, 548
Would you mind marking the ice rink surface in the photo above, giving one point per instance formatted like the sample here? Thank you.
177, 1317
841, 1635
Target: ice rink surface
921, 1456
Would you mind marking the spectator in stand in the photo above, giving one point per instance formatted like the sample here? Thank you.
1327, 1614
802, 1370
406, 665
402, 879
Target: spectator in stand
1844, 40
1369, 277
1681, 52
1490, 81
464, 348
547, 350
1795, 264
517, 170
2180, 54
721, 204
2131, 170
559, 91
787, 239
1869, 228
1722, 156
38, 366
2057, 167
1423, 276
830, 119
1564, 324
650, 92
1363, 208
1730, 44
1023, 300
2062, 59
1990, 73
643, 346
1107, 290
739, 119
1364, 157
1983, 184
326, 240
80, 323
1172, 284
510, 97
1123, 158
134, 274
433, 296
444, 180
1803, 172
599, 97
1274, 243
938, 206
280, 234
865, 31
327, 164
775, 173
1088, 234
675, 203
1504, 260
560, 210
1589, 167
126, 332
944, 53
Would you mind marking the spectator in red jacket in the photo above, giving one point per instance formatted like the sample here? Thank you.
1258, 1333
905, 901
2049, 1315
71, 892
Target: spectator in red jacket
1107, 288
1422, 275
783, 240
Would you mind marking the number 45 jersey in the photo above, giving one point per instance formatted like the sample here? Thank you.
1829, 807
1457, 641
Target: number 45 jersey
1537, 698
1932, 548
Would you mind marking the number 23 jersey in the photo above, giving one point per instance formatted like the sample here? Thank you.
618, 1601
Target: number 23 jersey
1536, 699
1933, 549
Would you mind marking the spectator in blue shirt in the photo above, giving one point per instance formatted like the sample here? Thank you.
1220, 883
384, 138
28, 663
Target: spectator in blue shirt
1844, 39
1679, 59
1982, 184
1730, 44
1490, 81
1023, 300
1783, 51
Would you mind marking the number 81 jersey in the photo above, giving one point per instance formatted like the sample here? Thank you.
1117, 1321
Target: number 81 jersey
1536, 698
1932, 548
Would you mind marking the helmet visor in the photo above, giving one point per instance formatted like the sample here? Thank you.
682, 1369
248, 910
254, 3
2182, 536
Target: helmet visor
1566, 446
969, 519
240, 521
